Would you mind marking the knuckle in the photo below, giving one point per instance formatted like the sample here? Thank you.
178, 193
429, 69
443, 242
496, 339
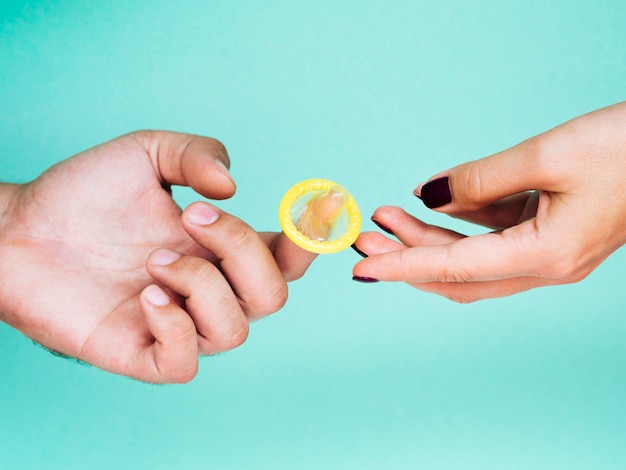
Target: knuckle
186, 374
239, 234
231, 337
177, 373
273, 300
179, 332
239, 336
146, 138
541, 152
453, 275
471, 186
459, 293
197, 273
451, 272
294, 274
279, 298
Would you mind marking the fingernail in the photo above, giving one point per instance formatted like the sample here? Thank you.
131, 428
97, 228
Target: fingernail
381, 226
202, 214
417, 194
364, 255
156, 296
163, 257
223, 168
436, 193
367, 280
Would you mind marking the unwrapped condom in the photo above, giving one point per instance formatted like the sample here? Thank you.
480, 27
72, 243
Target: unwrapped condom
320, 215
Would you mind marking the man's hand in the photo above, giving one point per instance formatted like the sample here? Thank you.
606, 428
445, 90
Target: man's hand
99, 263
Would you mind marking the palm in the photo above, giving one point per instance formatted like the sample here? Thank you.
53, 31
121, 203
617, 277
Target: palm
90, 224
89, 237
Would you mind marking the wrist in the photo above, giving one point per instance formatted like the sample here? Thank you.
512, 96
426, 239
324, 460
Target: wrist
7, 220
6, 193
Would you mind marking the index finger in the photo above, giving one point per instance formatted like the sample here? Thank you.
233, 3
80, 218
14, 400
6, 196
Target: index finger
486, 257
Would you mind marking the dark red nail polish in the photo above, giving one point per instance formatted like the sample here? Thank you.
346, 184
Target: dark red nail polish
367, 280
436, 193
354, 247
382, 227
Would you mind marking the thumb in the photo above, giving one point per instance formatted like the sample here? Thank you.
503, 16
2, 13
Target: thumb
476, 184
189, 160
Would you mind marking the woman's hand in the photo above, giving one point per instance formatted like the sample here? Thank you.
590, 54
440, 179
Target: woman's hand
556, 202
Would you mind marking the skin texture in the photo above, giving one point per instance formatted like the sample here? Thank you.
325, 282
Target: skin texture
555, 202
98, 262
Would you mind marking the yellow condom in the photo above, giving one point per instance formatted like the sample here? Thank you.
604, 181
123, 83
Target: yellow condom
320, 216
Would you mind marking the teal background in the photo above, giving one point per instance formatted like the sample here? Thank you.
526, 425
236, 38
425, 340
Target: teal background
378, 95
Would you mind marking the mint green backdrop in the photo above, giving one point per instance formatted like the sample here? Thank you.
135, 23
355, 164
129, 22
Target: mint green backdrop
378, 95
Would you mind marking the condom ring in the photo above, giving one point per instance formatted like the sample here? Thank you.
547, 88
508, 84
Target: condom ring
320, 216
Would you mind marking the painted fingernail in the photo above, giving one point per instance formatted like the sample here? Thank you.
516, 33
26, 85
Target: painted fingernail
354, 247
381, 226
202, 214
156, 296
163, 257
367, 280
436, 193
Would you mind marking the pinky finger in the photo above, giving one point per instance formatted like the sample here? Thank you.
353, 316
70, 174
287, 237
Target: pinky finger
173, 356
